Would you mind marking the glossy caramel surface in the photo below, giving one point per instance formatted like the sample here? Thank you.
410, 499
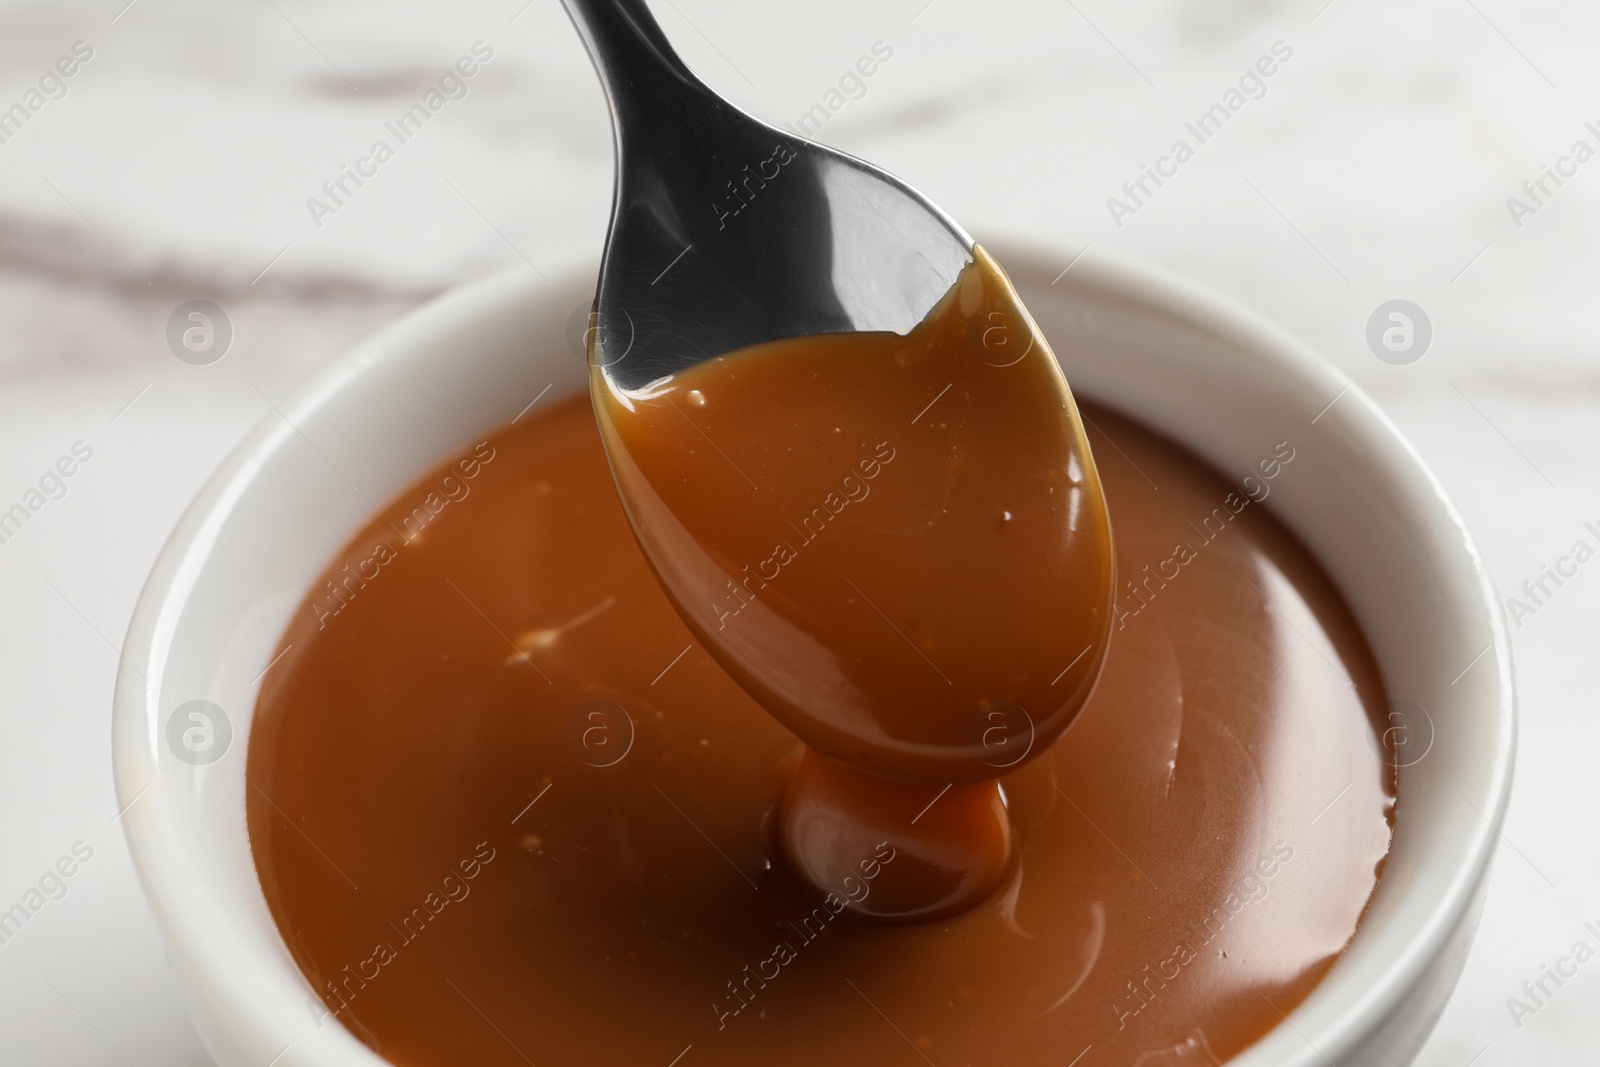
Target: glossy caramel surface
506, 809
898, 545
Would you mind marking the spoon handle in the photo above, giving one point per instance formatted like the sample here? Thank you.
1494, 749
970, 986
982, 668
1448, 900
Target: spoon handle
635, 62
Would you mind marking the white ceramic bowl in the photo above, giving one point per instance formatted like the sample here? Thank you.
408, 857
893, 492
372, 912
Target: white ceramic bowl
1164, 351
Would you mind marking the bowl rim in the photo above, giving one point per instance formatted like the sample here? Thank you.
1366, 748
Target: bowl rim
158, 854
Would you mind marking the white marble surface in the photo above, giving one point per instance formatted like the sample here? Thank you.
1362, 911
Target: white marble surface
177, 166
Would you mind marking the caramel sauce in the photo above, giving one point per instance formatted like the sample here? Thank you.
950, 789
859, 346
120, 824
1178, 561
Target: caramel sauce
769, 493
898, 545
506, 807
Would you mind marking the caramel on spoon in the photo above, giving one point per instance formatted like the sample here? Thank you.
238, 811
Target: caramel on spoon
856, 468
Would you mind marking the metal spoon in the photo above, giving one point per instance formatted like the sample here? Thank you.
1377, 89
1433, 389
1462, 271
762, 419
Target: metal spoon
727, 232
